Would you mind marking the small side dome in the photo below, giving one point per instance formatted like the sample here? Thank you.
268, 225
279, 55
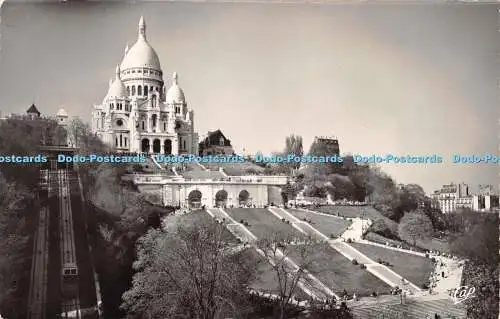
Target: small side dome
175, 94
117, 88
62, 113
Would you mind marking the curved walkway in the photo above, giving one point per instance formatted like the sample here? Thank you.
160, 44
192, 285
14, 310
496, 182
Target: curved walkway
451, 267
355, 233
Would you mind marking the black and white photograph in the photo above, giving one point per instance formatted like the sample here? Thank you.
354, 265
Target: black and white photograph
249, 159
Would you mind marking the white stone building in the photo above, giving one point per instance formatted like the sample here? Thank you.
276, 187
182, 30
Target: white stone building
138, 114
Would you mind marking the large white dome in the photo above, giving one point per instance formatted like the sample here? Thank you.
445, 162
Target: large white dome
175, 94
141, 54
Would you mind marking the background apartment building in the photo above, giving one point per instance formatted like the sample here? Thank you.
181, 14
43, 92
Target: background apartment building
453, 196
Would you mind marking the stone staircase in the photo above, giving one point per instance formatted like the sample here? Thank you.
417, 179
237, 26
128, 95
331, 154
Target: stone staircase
410, 310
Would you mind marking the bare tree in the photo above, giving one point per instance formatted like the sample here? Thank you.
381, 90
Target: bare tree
289, 273
80, 135
188, 272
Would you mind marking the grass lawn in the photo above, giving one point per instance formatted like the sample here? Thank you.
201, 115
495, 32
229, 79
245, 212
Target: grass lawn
262, 223
325, 224
422, 246
338, 273
235, 169
199, 218
353, 211
435, 244
414, 268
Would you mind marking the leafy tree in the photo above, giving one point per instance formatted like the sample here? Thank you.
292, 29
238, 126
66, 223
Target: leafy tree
288, 192
14, 238
293, 145
484, 278
318, 148
383, 228
476, 238
188, 272
340, 187
23, 137
415, 225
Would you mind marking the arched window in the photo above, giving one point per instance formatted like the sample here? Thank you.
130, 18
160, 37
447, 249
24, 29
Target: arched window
128, 90
221, 141
116, 141
154, 120
139, 90
125, 141
145, 90
121, 140
143, 125
184, 144
111, 106
164, 126
153, 100
133, 90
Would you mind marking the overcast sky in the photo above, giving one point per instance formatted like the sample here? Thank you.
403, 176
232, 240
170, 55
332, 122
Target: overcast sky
403, 79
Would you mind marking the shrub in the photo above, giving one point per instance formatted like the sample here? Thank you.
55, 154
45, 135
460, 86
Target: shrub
425, 285
433, 259
333, 236
283, 220
242, 221
354, 262
362, 266
349, 240
385, 228
380, 261
426, 255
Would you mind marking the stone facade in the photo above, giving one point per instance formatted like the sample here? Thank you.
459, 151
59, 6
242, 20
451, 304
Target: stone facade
138, 114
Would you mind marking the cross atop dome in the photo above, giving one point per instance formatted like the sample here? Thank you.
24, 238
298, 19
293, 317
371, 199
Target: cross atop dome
142, 27
174, 78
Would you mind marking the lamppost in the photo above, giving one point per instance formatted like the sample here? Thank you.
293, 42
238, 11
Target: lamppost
179, 186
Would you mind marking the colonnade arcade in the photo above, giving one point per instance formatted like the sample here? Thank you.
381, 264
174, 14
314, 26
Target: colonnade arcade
157, 146
194, 198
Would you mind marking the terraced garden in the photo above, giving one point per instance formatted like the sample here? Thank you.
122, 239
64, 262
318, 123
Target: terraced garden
414, 268
199, 218
338, 273
325, 224
262, 223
